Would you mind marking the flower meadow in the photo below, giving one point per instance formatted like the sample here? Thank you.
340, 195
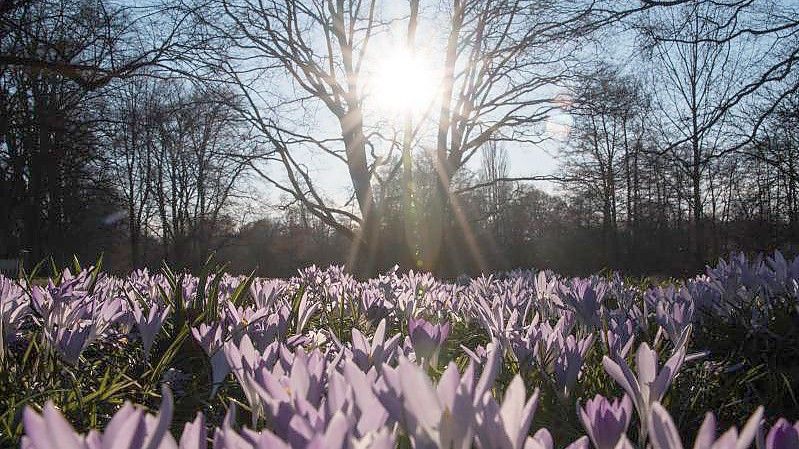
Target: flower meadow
518, 360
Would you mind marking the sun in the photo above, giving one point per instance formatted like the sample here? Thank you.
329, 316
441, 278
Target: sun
404, 82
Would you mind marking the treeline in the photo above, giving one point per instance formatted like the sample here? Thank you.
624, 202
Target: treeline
174, 130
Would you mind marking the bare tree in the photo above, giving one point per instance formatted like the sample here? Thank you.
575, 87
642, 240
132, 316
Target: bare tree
494, 166
53, 184
131, 132
697, 77
607, 110
318, 48
197, 165
499, 64
91, 43
503, 63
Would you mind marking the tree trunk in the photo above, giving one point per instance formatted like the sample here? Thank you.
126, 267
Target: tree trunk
697, 225
410, 215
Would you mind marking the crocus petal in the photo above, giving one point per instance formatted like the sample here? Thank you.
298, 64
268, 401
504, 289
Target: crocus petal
580, 443
49, 429
193, 436
707, 432
544, 438
624, 443
749, 430
667, 374
379, 336
623, 376
420, 397
126, 429
646, 364
662, 431
516, 415
164, 419
448, 385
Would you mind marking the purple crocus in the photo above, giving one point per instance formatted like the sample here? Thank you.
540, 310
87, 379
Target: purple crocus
664, 435
507, 426
619, 336
559, 355
380, 350
427, 337
209, 337
266, 293
69, 342
149, 324
650, 385
49, 430
674, 310
585, 297
72, 322
441, 416
13, 309
243, 359
606, 422
239, 319
287, 395
569, 361
782, 435
226, 437
130, 428
305, 311
444, 415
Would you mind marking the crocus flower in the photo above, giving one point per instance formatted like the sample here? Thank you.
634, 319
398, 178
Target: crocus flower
650, 385
506, 426
545, 285
69, 342
239, 319
209, 337
243, 359
619, 336
498, 315
674, 311
585, 297
782, 435
226, 437
305, 310
72, 322
352, 390
265, 331
664, 435
559, 354
335, 435
522, 342
436, 417
285, 393
606, 422
49, 430
427, 337
367, 354
13, 308
149, 324
373, 302
306, 411
67, 331
569, 361
130, 428
266, 293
